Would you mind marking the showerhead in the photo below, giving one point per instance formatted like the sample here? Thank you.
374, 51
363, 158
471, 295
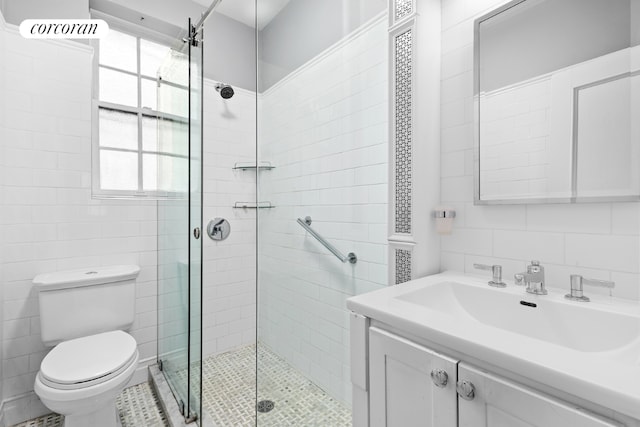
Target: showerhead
225, 90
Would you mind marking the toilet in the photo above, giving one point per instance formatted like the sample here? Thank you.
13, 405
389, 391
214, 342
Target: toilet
84, 314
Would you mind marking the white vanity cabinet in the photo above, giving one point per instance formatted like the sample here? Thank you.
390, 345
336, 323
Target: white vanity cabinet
501, 403
402, 393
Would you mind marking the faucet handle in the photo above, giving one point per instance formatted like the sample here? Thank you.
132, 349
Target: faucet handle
496, 271
519, 279
534, 267
577, 284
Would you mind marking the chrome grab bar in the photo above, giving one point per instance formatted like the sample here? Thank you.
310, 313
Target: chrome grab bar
306, 224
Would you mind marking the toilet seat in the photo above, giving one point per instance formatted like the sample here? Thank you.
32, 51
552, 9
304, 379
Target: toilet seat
87, 361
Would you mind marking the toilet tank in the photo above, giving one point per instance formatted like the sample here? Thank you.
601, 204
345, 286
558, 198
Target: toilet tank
89, 301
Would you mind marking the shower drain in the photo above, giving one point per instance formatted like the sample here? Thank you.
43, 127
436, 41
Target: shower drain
265, 405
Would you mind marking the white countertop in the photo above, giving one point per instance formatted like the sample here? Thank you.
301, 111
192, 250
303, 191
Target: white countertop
608, 378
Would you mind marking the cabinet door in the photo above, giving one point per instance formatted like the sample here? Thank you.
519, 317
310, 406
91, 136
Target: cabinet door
402, 393
501, 403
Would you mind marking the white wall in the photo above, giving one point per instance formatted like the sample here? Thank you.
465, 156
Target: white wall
229, 292
15, 11
324, 127
230, 51
597, 240
49, 220
2, 162
305, 28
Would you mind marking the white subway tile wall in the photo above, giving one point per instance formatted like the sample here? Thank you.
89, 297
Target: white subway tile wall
596, 240
49, 221
325, 129
2, 164
229, 290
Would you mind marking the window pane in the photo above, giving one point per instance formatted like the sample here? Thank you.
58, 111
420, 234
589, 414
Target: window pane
152, 55
175, 68
118, 50
118, 88
173, 100
149, 94
150, 172
173, 138
118, 129
149, 133
118, 170
164, 173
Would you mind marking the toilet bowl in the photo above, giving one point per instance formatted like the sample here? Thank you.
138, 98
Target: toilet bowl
83, 314
82, 378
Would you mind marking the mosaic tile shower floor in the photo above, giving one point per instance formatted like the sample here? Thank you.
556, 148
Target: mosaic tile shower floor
229, 396
138, 407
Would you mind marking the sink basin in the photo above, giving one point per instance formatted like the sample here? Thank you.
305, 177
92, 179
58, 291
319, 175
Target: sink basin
584, 327
588, 350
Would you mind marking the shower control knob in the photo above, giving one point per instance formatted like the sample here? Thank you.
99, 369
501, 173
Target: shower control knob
466, 390
439, 377
218, 229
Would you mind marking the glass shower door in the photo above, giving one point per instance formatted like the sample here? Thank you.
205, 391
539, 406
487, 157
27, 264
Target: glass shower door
173, 226
195, 220
179, 175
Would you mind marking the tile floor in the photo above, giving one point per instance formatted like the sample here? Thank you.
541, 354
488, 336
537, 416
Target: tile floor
229, 392
229, 382
138, 406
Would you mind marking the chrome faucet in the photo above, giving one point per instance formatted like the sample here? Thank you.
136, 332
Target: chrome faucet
496, 271
577, 283
533, 279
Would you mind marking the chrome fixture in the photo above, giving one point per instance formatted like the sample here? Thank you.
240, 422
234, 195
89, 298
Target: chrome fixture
444, 214
496, 270
306, 224
577, 282
466, 390
225, 90
533, 279
218, 229
253, 205
253, 165
206, 14
439, 377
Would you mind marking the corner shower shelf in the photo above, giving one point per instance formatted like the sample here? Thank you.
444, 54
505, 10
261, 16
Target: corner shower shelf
250, 165
253, 205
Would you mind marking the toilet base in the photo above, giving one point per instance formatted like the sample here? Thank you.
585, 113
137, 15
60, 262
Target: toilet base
107, 416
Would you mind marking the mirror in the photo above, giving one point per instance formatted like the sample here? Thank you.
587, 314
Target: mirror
557, 102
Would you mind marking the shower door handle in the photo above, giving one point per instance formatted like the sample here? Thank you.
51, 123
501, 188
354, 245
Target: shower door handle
196, 232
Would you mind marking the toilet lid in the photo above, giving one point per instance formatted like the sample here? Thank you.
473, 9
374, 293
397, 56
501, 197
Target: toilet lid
87, 360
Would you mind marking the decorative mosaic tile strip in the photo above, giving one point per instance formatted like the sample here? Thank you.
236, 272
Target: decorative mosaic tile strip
403, 131
403, 266
403, 8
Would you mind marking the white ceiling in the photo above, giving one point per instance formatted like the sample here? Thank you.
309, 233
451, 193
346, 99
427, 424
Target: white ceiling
243, 10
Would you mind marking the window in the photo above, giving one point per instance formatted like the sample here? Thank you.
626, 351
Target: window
140, 146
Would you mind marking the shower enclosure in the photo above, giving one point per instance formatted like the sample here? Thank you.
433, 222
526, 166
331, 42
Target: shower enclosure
253, 329
179, 92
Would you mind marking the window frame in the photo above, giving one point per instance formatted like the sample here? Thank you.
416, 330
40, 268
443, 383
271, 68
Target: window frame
96, 104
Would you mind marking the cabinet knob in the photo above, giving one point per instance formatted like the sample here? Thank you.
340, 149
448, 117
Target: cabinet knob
439, 377
466, 390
